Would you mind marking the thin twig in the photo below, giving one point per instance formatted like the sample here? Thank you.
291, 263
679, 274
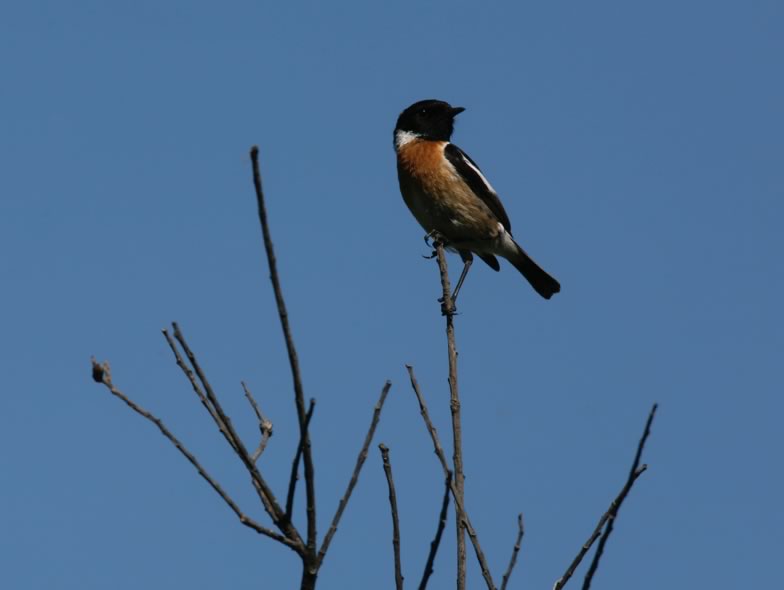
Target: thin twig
299, 395
186, 369
561, 582
295, 464
448, 309
263, 490
431, 557
395, 520
610, 523
515, 551
355, 475
265, 425
101, 374
460, 508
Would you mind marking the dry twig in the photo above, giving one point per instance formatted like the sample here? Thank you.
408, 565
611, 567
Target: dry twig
263, 490
355, 475
636, 471
299, 395
295, 464
395, 519
102, 374
515, 551
431, 557
611, 520
460, 511
265, 425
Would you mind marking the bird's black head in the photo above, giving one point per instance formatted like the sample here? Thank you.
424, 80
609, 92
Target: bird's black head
428, 119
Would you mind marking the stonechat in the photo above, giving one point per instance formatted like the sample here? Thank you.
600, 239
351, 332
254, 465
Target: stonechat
451, 198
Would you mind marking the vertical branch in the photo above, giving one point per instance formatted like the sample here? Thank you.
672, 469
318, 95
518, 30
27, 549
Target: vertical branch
395, 520
295, 464
299, 396
448, 309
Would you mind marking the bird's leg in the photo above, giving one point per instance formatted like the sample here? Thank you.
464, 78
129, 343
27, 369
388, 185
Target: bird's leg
468, 259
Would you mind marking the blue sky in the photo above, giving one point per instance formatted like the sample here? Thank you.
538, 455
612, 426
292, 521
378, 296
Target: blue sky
638, 150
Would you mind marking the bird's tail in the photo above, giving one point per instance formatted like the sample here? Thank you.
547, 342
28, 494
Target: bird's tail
542, 282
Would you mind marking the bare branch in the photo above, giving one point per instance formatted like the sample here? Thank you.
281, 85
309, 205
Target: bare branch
295, 463
438, 449
439, 532
395, 520
561, 582
636, 471
102, 374
186, 369
299, 396
355, 475
515, 551
448, 309
263, 490
265, 425
461, 512
611, 521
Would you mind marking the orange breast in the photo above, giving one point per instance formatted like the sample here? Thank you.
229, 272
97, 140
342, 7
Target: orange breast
425, 160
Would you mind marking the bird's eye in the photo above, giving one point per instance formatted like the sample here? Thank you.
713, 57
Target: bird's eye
423, 111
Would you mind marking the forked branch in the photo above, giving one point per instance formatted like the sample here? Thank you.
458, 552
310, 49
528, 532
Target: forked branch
460, 511
613, 512
102, 374
636, 471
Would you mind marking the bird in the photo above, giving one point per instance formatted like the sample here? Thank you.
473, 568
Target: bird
450, 197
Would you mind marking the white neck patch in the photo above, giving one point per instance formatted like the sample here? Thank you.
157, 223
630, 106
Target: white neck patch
405, 137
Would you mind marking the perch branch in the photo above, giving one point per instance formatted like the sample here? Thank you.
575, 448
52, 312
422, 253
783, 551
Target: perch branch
395, 520
448, 309
355, 475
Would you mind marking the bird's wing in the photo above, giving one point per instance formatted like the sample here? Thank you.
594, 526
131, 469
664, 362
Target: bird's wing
473, 177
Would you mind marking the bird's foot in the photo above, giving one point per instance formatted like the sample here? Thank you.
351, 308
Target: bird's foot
448, 307
437, 239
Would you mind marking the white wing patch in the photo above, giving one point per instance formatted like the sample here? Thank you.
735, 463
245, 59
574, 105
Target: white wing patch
479, 172
404, 137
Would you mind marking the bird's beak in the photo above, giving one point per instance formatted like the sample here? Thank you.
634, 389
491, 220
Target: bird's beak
457, 110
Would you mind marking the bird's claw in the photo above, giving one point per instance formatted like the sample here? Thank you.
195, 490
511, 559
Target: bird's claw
449, 309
